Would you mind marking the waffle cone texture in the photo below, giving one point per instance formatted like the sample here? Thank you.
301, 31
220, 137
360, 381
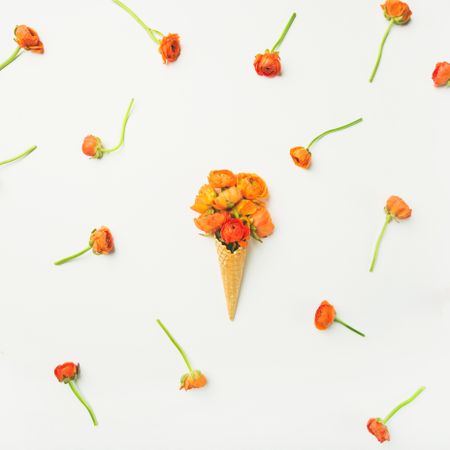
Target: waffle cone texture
232, 270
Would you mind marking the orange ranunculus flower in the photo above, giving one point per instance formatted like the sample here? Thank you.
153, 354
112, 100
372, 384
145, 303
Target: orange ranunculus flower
262, 222
102, 241
252, 186
227, 198
397, 208
28, 39
378, 429
193, 380
234, 230
397, 10
210, 223
204, 199
66, 372
221, 178
441, 74
325, 315
267, 64
92, 146
246, 207
301, 157
170, 48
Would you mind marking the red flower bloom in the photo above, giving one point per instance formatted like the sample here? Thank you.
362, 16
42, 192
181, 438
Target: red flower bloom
267, 64
66, 372
379, 430
441, 74
325, 315
234, 230
170, 48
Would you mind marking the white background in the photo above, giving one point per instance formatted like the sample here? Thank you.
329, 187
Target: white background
275, 382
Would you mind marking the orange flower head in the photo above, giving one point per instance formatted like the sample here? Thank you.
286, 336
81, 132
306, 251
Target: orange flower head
227, 198
379, 430
301, 157
234, 230
92, 146
170, 48
441, 74
221, 178
262, 223
28, 39
66, 372
252, 186
246, 207
397, 10
267, 64
325, 315
397, 208
204, 199
192, 380
210, 223
102, 241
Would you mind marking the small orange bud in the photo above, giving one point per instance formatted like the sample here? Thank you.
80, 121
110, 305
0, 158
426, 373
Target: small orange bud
379, 430
397, 208
170, 48
301, 157
267, 64
102, 241
192, 380
28, 39
92, 146
66, 372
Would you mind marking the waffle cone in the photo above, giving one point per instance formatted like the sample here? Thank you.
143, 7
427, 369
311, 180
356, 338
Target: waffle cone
232, 270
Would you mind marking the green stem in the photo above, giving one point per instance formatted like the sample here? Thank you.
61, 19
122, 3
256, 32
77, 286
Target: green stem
22, 155
177, 345
380, 51
76, 255
333, 131
122, 136
401, 405
148, 30
15, 55
380, 237
83, 401
283, 34
349, 327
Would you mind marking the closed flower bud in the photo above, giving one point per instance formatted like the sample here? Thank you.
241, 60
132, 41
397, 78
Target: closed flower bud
192, 380
301, 157
441, 74
397, 208
28, 39
92, 146
379, 430
66, 372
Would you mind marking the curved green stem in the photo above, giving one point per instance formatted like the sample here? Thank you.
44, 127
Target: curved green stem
177, 345
380, 237
402, 404
380, 51
147, 29
349, 327
283, 34
83, 401
122, 136
14, 55
22, 155
333, 131
76, 255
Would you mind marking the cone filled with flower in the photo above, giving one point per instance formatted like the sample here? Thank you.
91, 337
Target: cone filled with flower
232, 210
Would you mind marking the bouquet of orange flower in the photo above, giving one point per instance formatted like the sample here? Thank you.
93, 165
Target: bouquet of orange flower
232, 209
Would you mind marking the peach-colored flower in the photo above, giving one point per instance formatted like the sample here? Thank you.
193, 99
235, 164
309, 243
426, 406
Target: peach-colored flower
170, 48
192, 380
379, 430
246, 207
228, 198
252, 186
102, 241
267, 64
204, 199
222, 178
210, 223
397, 10
301, 157
262, 222
441, 74
397, 208
28, 39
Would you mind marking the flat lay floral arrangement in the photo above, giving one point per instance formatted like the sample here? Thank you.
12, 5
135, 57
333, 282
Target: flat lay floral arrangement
232, 207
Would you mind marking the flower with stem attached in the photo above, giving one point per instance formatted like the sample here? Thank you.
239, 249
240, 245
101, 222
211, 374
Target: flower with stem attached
27, 40
101, 242
395, 209
268, 64
22, 155
169, 46
92, 145
67, 373
377, 426
397, 13
326, 316
194, 378
302, 156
